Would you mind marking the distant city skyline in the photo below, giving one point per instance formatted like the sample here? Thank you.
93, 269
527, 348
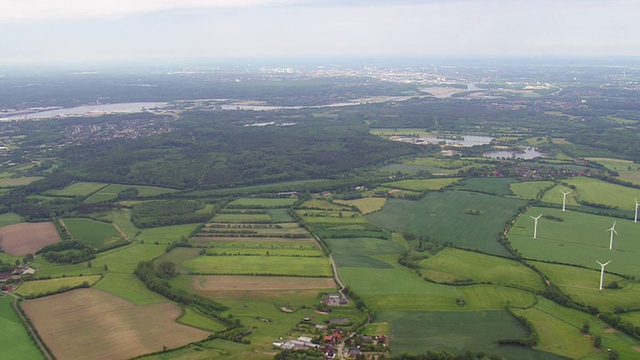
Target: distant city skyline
41, 31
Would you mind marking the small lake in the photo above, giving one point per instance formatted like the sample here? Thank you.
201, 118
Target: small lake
88, 110
528, 153
465, 141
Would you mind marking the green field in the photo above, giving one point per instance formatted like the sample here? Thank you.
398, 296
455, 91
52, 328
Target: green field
97, 234
400, 289
123, 259
265, 252
529, 189
331, 217
497, 186
263, 243
111, 192
263, 202
323, 205
19, 181
555, 196
15, 341
558, 328
241, 218
194, 318
10, 219
457, 332
267, 265
279, 215
451, 265
422, 185
43, 287
443, 217
129, 287
582, 285
77, 189
579, 239
167, 234
597, 191
365, 205
363, 252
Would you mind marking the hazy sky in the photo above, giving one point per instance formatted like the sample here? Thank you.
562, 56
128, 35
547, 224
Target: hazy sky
102, 30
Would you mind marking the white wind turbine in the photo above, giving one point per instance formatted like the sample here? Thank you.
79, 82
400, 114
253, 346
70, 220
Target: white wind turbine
612, 231
535, 226
602, 272
564, 199
635, 220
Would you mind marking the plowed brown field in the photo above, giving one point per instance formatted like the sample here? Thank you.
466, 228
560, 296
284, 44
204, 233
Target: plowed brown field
24, 238
92, 324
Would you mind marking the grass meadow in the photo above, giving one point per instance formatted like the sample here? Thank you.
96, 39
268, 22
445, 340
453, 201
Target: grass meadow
77, 189
111, 192
44, 287
10, 182
365, 205
95, 233
529, 189
422, 184
10, 219
450, 265
263, 202
558, 328
496, 186
15, 341
579, 239
443, 216
583, 285
457, 332
324, 205
194, 318
128, 287
400, 289
241, 218
260, 265
597, 191
166, 234
123, 259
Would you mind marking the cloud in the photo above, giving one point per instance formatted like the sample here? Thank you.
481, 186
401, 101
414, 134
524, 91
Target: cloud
53, 10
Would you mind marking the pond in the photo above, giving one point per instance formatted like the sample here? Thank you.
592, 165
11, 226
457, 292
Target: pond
528, 153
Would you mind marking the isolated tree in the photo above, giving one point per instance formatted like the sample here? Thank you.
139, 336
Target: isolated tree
28, 258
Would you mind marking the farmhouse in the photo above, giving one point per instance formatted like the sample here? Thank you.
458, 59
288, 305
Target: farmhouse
335, 299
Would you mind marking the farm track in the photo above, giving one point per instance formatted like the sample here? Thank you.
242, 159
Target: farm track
30, 329
124, 236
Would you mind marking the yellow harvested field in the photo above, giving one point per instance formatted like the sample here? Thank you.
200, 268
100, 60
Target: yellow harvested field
252, 283
365, 205
93, 324
24, 238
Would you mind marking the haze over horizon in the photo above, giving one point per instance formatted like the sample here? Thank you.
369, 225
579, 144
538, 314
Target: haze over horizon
75, 31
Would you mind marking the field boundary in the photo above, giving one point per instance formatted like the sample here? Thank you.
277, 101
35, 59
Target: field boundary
32, 332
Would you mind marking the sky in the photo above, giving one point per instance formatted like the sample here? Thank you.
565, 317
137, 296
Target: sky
85, 31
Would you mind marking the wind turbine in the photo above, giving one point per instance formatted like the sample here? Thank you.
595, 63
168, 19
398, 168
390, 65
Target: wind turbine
602, 272
535, 226
635, 220
613, 231
564, 199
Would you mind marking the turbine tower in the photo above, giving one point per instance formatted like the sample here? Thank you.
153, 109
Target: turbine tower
535, 226
635, 220
602, 272
564, 199
612, 231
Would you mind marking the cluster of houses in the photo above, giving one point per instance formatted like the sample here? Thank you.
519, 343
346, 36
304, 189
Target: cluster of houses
16, 273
